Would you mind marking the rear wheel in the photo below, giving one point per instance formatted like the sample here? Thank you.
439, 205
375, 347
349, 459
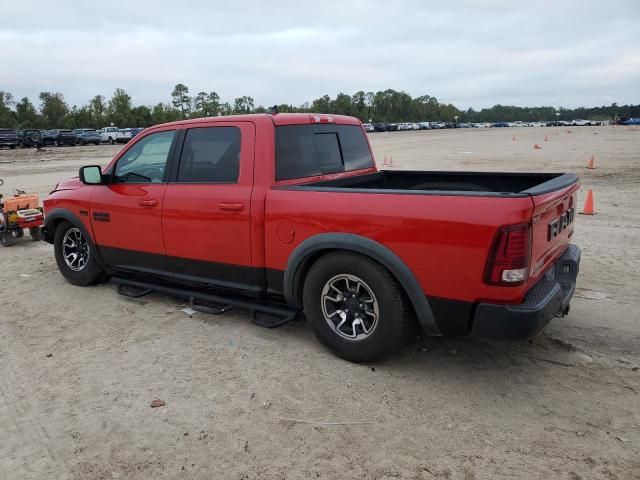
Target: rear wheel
110, 141
75, 257
355, 307
36, 234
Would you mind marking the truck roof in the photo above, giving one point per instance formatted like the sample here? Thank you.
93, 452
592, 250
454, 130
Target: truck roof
277, 119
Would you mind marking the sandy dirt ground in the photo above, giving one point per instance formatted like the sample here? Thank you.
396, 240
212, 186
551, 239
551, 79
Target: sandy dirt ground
80, 366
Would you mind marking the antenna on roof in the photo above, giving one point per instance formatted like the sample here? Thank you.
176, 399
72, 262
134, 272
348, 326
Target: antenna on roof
273, 110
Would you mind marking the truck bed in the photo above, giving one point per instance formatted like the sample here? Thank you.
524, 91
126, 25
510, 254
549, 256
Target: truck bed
448, 183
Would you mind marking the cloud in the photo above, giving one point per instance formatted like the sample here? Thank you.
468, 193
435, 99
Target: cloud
472, 54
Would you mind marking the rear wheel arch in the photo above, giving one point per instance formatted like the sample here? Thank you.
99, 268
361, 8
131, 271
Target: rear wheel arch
310, 250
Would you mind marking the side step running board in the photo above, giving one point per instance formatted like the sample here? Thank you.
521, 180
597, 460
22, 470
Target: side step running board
263, 315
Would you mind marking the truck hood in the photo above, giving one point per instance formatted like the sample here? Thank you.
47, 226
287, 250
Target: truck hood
69, 184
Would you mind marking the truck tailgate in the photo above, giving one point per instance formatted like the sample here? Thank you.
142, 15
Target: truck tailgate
553, 223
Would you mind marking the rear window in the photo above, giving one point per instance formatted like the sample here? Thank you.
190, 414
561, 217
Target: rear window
309, 150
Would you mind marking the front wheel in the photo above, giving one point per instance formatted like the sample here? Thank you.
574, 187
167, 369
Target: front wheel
7, 239
355, 307
75, 257
110, 141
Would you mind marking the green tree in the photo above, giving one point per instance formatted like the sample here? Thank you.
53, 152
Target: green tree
98, 109
26, 114
7, 115
119, 108
181, 99
53, 109
80, 117
243, 105
163, 112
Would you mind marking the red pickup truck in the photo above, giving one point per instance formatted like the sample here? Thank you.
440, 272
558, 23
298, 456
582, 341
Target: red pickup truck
285, 213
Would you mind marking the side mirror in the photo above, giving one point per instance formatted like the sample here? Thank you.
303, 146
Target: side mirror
91, 175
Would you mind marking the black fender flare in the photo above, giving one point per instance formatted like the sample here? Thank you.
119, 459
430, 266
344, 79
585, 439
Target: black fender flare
301, 257
58, 214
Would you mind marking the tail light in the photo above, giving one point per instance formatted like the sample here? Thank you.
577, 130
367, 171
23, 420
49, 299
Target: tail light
508, 262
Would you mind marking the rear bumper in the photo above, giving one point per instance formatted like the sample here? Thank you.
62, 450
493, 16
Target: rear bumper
550, 297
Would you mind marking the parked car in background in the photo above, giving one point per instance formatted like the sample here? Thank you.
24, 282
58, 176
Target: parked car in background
631, 121
59, 137
464, 125
29, 138
437, 125
580, 123
109, 134
368, 127
86, 135
380, 127
8, 138
425, 126
500, 125
136, 131
126, 134
392, 127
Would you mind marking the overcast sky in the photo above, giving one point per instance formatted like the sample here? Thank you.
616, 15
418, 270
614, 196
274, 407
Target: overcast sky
471, 54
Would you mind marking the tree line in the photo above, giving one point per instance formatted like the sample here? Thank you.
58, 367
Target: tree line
52, 111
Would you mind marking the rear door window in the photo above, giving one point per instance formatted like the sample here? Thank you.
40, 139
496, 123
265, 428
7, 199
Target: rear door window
210, 155
311, 150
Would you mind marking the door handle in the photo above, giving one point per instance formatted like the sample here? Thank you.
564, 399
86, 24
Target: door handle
231, 206
148, 203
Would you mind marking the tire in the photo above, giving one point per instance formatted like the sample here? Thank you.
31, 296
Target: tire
12, 147
111, 141
56, 143
7, 239
379, 293
36, 234
83, 274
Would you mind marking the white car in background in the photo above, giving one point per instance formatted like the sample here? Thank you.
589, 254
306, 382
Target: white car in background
581, 123
368, 127
109, 134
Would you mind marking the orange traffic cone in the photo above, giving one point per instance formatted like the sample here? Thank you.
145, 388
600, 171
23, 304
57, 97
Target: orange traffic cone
546, 138
592, 162
588, 204
536, 146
